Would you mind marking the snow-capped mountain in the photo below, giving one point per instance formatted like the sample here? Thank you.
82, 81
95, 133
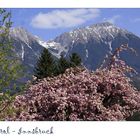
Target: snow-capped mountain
92, 43
27, 47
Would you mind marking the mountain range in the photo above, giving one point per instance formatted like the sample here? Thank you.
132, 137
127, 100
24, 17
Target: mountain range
92, 43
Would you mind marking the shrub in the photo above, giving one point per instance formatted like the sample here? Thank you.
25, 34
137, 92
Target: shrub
80, 94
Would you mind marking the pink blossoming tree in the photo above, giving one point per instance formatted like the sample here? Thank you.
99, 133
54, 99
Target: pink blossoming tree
81, 95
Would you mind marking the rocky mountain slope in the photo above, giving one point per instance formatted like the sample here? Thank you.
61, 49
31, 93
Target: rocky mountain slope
92, 43
26, 47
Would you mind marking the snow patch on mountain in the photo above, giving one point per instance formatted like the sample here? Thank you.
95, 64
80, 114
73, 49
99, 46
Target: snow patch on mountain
22, 53
110, 47
86, 53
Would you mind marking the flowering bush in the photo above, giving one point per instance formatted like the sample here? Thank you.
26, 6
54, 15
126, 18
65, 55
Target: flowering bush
80, 94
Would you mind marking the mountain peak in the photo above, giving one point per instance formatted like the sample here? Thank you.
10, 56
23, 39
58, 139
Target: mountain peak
86, 40
93, 43
99, 32
18, 30
22, 34
104, 24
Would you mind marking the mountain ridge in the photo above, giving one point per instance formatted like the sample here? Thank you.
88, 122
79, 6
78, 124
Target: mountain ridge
105, 36
92, 43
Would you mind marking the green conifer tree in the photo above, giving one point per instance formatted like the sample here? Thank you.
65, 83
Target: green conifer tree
45, 65
63, 64
75, 60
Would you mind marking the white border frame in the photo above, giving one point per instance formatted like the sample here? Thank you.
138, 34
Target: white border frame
70, 3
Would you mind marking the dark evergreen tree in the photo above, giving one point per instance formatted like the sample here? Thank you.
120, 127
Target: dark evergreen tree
75, 60
45, 65
63, 64
48, 67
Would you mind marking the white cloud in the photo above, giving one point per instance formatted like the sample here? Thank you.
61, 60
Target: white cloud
64, 18
113, 19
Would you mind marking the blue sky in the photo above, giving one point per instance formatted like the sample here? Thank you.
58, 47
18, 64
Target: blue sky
48, 23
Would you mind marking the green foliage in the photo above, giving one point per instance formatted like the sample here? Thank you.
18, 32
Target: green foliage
134, 117
48, 67
10, 67
63, 64
75, 60
45, 65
